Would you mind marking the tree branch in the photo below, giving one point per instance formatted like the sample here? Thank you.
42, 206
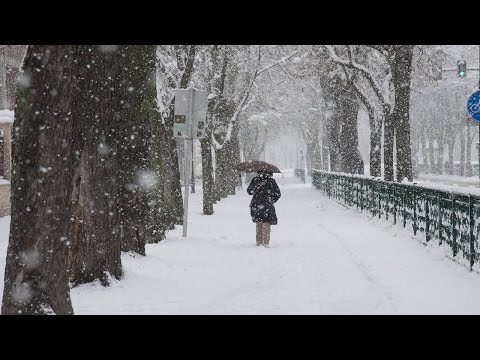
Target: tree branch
366, 74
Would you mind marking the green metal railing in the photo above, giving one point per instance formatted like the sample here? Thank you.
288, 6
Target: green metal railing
451, 218
300, 173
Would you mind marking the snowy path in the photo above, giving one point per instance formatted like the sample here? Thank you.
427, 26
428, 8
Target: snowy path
324, 259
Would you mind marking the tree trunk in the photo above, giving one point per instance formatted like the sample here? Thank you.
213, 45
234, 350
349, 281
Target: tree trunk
375, 146
342, 132
462, 153
388, 148
159, 223
237, 178
173, 188
36, 278
468, 153
401, 78
440, 160
221, 174
451, 145
209, 160
3, 80
431, 153
316, 160
350, 157
223, 157
233, 158
207, 176
134, 133
451, 138
95, 243
172, 191
423, 140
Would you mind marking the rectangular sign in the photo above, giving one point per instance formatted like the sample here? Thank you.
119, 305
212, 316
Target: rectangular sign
190, 114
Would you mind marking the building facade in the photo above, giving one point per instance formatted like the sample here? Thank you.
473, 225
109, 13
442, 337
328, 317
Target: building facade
6, 122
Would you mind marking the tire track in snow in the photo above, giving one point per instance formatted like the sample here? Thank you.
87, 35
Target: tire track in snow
363, 268
240, 296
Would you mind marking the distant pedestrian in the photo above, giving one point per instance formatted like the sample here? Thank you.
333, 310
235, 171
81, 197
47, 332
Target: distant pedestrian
265, 193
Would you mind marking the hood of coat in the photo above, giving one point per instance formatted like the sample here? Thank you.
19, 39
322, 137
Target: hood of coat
264, 175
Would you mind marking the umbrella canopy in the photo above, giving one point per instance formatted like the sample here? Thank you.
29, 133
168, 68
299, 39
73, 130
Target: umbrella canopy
255, 166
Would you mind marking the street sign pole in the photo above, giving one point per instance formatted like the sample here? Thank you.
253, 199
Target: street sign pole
188, 160
193, 167
189, 123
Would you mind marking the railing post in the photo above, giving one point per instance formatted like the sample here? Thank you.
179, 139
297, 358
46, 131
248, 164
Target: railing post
472, 226
325, 184
414, 212
330, 186
355, 196
386, 199
334, 192
364, 195
356, 188
372, 205
348, 193
454, 237
329, 183
346, 198
427, 218
380, 200
439, 218
335, 187
404, 213
361, 195
394, 205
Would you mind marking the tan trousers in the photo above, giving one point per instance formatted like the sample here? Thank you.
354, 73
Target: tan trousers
263, 234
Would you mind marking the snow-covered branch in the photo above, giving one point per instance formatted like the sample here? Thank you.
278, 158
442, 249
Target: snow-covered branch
242, 106
385, 100
282, 60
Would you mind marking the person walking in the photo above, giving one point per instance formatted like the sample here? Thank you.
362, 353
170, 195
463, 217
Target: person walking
265, 193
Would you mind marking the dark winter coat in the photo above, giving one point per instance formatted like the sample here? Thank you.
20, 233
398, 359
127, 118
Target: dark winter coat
265, 193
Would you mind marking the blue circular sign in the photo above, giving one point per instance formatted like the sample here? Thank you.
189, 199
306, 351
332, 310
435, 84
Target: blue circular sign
473, 105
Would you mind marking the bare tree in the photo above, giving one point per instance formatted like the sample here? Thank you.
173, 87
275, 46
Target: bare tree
394, 104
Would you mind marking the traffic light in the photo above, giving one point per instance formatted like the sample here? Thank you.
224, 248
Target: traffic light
461, 68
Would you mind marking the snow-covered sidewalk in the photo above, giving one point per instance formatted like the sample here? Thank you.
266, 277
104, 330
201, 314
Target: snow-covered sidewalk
323, 259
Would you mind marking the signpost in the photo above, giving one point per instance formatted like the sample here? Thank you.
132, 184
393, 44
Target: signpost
473, 108
473, 105
189, 123
473, 102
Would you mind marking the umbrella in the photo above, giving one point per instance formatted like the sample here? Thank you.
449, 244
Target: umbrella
255, 166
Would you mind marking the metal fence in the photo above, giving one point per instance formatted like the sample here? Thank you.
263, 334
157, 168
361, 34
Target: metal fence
300, 173
451, 218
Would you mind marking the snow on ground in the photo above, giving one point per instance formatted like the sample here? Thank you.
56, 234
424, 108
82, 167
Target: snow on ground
6, 116
4, 232
451, 179
323, 259
455, 183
